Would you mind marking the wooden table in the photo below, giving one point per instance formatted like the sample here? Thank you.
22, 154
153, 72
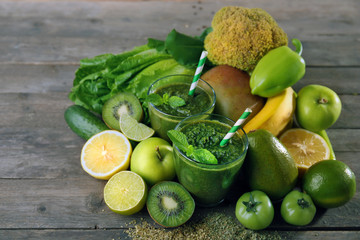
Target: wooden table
45, 194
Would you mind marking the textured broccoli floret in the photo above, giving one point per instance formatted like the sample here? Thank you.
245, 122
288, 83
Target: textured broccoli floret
242, 36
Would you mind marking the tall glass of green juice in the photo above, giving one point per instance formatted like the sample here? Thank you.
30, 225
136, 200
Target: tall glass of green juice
164, 117
210, 183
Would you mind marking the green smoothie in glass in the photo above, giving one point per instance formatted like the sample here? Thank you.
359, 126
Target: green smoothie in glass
165, 116
209, 183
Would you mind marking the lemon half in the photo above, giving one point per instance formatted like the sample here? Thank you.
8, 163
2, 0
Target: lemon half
105, 154
306, 148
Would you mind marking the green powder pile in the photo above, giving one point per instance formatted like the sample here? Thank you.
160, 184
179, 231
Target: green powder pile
213, 226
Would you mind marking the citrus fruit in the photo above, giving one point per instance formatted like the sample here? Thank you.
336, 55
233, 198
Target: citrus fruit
125, 193
134, 130
105, 154
330, 183
305, 147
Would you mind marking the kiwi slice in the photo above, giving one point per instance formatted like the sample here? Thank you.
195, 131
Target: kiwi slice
122, 102
170, 204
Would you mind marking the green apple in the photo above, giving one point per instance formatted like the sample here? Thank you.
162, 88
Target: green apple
317, 107
153, 160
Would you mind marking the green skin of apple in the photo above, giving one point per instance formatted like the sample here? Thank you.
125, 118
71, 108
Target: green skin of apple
317, 108
153, 160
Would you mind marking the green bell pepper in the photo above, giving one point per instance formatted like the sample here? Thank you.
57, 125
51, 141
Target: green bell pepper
278, 69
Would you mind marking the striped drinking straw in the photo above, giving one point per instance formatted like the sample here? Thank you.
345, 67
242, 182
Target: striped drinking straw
236, 126
198, 72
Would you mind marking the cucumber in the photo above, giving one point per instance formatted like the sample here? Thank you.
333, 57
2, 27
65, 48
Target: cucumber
83, 122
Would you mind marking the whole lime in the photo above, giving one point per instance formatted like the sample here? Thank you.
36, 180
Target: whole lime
330, 183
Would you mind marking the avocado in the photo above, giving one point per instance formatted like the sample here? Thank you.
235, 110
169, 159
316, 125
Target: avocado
268, 165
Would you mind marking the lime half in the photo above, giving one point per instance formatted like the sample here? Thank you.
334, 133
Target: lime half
134, 130
125, 193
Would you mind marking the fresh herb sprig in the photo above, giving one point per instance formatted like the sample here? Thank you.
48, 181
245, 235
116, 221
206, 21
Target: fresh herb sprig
200, 154
173, 101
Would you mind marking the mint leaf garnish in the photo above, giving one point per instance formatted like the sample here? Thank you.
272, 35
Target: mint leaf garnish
155, 99
204, 156
190, 151
200, 155
173, 101
165, 98
179, 139
176, 101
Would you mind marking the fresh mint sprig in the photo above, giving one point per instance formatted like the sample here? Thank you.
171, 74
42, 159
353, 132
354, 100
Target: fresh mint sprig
200, 154
173, 101
155, 99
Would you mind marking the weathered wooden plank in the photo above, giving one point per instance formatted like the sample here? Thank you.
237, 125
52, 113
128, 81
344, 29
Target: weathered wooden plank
47, 110
44, 192
32, 78
317, 235
43, 153
55, 152
60, 234
344, 140
326, 17
52, 77
60, 203
71, 203
47, 148
324, 52
75, 203
35, 141
34, 110
71, 31
349, 113
341, 80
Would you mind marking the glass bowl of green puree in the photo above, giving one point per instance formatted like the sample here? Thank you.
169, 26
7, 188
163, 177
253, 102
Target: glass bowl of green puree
164, 116
210, 183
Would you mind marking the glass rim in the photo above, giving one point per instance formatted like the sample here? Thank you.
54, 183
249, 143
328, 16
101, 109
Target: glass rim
183, 75
207, 164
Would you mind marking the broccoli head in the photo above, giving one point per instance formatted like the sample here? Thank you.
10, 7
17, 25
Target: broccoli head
242, 36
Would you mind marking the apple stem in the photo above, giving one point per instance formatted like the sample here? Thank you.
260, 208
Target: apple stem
323, 100
158, 153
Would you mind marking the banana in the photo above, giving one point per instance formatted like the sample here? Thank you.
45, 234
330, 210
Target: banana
276, 115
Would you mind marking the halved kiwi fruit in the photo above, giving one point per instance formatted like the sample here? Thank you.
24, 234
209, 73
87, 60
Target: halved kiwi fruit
121, 103
170, 204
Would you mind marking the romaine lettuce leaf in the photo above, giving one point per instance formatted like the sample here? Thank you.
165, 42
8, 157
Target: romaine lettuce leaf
99, 78
140, 84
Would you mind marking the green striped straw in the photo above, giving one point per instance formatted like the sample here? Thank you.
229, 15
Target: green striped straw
198, 72
236, 126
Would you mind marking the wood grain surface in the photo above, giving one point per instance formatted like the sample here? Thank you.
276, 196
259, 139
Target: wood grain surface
45, 194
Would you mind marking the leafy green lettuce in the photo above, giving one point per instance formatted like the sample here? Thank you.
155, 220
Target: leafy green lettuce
101, 77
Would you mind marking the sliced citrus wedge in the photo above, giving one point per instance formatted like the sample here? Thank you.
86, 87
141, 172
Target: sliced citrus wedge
105, 154
305, 147
125, 193
134, 130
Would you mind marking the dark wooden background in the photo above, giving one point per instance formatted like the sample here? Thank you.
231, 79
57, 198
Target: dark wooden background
44, 193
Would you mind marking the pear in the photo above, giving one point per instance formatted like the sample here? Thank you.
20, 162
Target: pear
269, 166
